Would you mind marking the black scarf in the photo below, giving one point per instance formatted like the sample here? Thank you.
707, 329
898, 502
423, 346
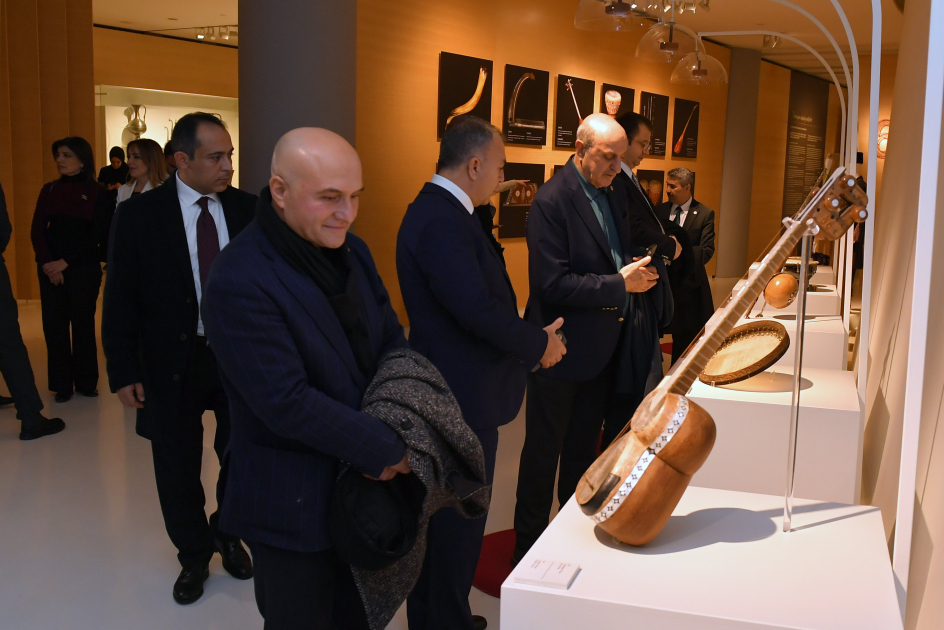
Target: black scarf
331, 270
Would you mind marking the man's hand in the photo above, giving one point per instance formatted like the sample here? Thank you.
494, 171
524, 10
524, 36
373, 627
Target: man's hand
391, 471
638, 277
555, 349
508, 184
678, 249
132, 396
57, 278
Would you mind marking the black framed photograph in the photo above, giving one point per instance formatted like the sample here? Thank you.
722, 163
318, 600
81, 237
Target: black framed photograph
655, 107
514, 204
616, 100
525, 105
465, 87
685, 129
653, 184
574, 103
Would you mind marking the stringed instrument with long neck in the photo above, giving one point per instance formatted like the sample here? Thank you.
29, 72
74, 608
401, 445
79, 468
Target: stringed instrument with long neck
632, 489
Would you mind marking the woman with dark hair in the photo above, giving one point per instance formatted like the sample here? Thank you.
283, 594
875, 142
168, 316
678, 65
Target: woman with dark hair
115, 174
69, 229
147, 168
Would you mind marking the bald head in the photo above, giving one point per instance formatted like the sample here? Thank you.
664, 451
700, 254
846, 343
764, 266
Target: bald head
600, 144
316, 184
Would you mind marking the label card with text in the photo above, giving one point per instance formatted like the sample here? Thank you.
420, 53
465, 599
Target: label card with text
548, 573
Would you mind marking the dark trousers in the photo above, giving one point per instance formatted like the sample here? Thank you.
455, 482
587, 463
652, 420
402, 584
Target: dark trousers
305, 591
178, 460
14, 360
682, 336
72, 358
440, 599
563, 422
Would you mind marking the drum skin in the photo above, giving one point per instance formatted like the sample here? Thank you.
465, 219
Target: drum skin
645, 511
781, 290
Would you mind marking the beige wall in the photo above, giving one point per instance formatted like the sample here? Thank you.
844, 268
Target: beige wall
46, 93
398, 66
160, 63
885, 96
894, 260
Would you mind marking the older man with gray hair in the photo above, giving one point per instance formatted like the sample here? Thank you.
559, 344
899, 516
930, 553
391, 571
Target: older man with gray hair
611, 296
691, 291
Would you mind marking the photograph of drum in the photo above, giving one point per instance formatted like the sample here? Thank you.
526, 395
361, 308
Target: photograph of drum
748, 350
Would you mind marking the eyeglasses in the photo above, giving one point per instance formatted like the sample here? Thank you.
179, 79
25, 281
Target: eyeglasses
645, 145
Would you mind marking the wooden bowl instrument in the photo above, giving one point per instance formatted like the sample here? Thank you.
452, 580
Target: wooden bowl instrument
749, 350
781, 290
632, 489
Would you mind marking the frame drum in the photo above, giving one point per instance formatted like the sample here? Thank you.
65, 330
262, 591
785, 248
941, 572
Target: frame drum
749, 350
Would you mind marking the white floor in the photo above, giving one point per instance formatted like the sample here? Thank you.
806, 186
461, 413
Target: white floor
82, 543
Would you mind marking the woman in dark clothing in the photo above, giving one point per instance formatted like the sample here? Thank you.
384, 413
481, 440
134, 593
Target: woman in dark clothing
115, 174
69, 229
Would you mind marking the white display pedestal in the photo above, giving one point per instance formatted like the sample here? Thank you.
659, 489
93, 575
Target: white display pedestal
822, 301
720, 563
753, 420
826, 345
824, 275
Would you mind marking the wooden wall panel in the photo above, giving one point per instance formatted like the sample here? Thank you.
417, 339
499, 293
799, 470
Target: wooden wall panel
159, 63
770, 157
46, 93
397, 87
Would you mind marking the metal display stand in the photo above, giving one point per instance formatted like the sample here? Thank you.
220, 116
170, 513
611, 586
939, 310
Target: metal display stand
805, 247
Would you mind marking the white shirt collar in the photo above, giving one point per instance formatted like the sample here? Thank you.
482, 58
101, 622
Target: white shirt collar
685, 206
627, 170
188, 196
456, 192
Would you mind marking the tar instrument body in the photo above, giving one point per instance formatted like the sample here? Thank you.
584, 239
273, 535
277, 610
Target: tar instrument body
633, 487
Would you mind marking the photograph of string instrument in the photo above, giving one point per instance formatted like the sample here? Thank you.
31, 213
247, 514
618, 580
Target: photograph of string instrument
514, 204
574, 102
616, 100
525, 105
685, 129
465, 87
655, 107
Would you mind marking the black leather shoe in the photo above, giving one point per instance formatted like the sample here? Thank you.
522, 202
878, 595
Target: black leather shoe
6, 400
62, 397
479, 623
235, 559
41, 428
89, 393
189, 585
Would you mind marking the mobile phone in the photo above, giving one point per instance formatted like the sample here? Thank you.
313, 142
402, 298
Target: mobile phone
651, 250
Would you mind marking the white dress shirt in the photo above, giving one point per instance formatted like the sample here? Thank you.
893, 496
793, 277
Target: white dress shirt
124, 193
456, 192
191, 212
683, 209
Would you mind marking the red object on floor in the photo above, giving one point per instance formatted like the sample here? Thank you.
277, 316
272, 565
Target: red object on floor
666, 347
494, 562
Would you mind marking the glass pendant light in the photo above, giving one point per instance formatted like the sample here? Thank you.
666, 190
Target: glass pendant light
668, 42
608, 15
699, 68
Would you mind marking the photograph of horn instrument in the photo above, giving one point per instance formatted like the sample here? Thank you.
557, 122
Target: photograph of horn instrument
677, 149
472, 102
521, 122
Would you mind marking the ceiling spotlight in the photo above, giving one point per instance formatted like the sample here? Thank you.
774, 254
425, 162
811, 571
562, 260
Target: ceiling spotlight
687, 6
224, 32
771, 41
606, 15
212, 32
667, 42
705, 5
201, 33
234, 31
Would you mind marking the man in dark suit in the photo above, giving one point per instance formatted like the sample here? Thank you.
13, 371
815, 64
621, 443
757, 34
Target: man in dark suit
692, 296
645, 227
14, 360
464, 318
582, 268
161, 248
299, 317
